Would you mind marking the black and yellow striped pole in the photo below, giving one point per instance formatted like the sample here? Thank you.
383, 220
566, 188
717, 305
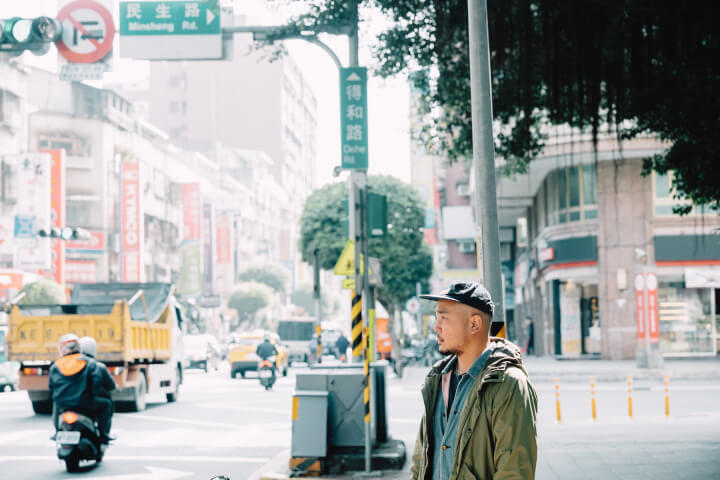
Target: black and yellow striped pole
366, 371
497, 329
357, 327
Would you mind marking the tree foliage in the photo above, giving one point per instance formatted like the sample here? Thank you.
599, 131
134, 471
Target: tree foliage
273, 275
628, 66
303, 298
43, 292
248, 298
403, 253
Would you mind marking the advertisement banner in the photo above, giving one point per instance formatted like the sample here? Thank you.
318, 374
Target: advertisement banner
208, 249
652, 306
191, 282
32, 212
131, 222
640, 305
57, 208
80, 271
224, 239
192, 211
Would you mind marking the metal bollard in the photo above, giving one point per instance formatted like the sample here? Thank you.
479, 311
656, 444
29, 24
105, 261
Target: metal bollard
557, 400
592, 398
630, 402
667, 395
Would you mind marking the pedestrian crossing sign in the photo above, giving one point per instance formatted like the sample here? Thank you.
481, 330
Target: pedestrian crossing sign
345, 266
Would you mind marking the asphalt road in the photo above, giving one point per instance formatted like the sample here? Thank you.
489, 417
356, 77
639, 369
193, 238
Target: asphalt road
218, 426
235, 428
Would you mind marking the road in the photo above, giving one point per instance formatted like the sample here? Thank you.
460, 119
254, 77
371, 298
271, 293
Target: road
233, 427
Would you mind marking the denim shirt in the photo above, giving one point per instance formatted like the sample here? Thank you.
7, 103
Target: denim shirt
445, 426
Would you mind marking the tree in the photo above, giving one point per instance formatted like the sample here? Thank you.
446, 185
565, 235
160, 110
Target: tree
273, 275
628, 66
403, 253
248, 298
303, 298
43, 292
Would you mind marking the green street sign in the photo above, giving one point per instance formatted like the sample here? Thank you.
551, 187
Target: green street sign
353, 118
190, 30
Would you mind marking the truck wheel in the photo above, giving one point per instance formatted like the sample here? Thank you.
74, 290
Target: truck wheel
172, 397
139, 402
42, 407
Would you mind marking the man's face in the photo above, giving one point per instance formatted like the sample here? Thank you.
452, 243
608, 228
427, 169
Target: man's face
454, 326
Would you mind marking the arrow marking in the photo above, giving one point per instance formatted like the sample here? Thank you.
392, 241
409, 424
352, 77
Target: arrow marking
209, 16
353, 77
155, 473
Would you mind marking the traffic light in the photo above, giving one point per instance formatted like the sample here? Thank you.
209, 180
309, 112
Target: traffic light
35, 34
66, 233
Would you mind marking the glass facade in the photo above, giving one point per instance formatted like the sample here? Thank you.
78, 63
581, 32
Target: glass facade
571, 194
687, 318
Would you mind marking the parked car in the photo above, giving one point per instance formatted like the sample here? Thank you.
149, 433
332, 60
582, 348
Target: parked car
9, 374
201, 351
242, 356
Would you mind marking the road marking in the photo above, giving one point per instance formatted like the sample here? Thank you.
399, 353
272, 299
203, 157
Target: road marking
19, 437
145, 458
186, 421
249, 408
154, 474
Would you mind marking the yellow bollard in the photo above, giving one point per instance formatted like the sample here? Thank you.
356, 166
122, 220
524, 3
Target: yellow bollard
557, 400
592, 398
630, 403
667, 396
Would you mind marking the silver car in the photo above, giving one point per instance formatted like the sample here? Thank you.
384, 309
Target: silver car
9, 374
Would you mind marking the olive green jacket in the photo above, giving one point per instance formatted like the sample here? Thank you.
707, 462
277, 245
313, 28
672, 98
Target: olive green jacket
497, 438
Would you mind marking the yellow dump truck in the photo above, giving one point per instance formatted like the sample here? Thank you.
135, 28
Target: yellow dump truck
137, 327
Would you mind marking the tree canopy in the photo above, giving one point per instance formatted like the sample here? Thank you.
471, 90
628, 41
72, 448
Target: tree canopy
43, 292
273, 275
403, 253
248, 298
626, 66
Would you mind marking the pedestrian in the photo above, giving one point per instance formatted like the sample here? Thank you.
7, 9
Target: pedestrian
480, 409
313, 346
531, 337
341, 344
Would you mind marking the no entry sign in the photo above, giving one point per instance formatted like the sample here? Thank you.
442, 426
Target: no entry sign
88, 31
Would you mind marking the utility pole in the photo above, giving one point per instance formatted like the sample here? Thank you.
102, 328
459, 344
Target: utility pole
484, 154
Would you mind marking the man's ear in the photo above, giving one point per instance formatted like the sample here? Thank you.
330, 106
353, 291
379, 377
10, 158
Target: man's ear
476, 323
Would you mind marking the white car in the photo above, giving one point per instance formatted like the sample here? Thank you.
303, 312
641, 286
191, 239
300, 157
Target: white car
9, 374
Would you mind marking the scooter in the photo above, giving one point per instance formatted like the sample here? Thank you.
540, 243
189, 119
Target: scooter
77, 439
266, 372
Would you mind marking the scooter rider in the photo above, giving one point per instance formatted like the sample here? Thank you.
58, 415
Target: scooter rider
266, 349
102, 387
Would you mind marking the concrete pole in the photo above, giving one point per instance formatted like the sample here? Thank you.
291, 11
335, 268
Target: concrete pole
484, 153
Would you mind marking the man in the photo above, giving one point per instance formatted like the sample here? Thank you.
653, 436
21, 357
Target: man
480, 409
70, 378
102, 386
342, 343
266, 349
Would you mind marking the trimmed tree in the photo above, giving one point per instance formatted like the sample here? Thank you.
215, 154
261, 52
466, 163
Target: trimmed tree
248, 298
273, 275
43, 292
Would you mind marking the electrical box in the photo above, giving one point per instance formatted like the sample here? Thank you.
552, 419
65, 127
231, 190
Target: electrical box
309, 426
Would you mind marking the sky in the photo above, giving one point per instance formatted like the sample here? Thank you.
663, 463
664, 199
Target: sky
389, 146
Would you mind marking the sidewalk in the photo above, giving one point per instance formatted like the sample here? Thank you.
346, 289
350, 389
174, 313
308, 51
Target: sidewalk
546, 369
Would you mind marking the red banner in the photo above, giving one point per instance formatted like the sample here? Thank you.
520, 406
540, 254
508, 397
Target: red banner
223, 239
192, 211
57, 211
652, 306
81, 271
640, 305
131, 223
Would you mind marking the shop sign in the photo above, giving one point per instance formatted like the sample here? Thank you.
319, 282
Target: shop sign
192, 211
57, 213
651, 284
646, 307
33, 212
223, 236
131, 223
208, 249
546, 254
702, 278
81, 271
94, 244
640, 305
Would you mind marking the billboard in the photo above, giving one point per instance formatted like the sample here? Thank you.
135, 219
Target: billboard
57, 212
81, 271
208, 249
32, 212
191, 250
131, 226
192, 211
224, 240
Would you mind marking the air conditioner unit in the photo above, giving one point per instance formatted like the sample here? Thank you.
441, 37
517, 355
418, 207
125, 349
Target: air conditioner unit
466, 246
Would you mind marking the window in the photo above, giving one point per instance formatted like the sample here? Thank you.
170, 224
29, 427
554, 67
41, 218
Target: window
664, 193
466, 246
10, 114
572, 194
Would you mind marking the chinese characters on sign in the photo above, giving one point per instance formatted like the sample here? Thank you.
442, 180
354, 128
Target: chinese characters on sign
192, 29
132, 227
353, 117
33, 212
191, 281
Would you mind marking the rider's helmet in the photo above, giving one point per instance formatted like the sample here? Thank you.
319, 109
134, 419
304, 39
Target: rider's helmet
68, 344
88, 346
266, 338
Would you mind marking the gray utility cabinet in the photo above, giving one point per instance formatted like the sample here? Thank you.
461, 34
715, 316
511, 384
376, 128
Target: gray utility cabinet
345, 410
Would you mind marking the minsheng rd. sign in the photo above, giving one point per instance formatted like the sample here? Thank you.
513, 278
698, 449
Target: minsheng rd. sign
170, 30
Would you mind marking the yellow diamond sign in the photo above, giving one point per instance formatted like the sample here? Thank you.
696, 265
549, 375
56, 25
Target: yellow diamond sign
345, 265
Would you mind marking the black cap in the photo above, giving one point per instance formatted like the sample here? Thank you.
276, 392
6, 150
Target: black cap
469, 293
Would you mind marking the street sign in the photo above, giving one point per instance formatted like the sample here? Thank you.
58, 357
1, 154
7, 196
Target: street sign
413, 305
345, 265
348, 284
353, 118
87, 33
652, 306
171, 30
375, 273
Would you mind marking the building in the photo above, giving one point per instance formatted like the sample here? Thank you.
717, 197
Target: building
589, 223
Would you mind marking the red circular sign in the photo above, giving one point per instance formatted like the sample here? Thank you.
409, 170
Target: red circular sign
88, 31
